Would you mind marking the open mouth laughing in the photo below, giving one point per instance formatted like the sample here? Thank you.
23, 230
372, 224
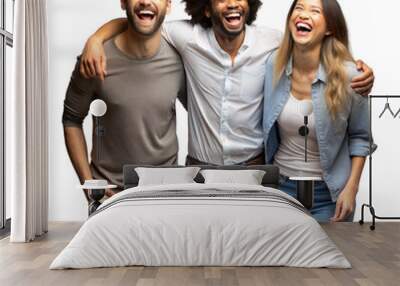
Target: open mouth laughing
303, 28
146, 16
233, 19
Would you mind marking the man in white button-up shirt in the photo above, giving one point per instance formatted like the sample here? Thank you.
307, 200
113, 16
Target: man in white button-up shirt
224, 58
225, 93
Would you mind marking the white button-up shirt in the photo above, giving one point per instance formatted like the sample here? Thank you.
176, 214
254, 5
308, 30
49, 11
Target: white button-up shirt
225, 98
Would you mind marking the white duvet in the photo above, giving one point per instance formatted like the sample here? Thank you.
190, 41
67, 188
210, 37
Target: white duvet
201, 225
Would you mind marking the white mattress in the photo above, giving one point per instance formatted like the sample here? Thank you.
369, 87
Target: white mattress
201, 225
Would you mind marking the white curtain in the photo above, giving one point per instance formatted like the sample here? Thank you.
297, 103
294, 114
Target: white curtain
26, 123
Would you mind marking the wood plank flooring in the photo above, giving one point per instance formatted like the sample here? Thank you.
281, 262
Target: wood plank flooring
375, 257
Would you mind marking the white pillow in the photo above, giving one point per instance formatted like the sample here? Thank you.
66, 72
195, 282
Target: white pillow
246, 177
166, 176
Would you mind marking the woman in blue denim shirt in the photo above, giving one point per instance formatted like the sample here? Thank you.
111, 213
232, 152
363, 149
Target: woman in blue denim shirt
314, 63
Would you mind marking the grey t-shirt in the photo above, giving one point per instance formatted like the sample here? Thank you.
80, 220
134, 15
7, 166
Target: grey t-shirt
140, 123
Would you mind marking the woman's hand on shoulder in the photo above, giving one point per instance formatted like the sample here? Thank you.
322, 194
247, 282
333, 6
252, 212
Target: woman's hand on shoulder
93, 59
363, 83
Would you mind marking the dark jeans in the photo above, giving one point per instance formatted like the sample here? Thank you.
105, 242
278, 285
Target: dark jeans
258, 160
324, 208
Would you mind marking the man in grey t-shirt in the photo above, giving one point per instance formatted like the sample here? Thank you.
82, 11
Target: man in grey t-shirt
145, 76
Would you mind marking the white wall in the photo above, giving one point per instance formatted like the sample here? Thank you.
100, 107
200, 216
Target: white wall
372, 26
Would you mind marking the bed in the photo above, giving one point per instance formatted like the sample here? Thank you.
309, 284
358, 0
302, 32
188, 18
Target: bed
198, 224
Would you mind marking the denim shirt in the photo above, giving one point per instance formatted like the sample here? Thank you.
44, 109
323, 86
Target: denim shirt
338, 139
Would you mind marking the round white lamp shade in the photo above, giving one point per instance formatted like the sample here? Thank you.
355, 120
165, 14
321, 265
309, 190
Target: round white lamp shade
98, 108
306, 107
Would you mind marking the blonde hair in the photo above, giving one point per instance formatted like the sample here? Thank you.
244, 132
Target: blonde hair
334, 53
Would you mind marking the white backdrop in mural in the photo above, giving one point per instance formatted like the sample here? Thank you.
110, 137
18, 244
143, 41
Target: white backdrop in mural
373, 28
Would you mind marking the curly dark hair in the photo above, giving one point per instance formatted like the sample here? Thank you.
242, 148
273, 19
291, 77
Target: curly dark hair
196, 9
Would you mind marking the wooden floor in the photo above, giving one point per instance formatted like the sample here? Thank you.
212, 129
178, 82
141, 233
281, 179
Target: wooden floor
375, 257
